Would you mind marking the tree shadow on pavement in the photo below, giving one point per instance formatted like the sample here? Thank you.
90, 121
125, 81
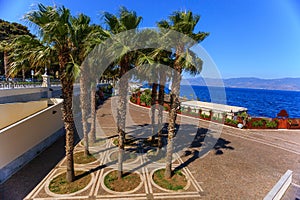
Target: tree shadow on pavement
189, 140
27, 178
194, 150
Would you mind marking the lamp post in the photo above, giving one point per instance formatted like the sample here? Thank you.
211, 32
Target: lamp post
32, 73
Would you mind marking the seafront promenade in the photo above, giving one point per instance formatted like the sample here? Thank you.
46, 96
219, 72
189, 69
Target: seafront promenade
243, 164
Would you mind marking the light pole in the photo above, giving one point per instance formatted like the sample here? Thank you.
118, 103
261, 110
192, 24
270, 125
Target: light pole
32, 73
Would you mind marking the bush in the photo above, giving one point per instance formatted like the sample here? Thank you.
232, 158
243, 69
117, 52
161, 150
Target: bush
147, 92
231, 121
243, 115
271, 124
258, 123
217, 119
146, 98
204, 116
133, 99
193, 113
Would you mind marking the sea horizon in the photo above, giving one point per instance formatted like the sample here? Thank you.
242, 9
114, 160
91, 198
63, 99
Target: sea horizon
259, 102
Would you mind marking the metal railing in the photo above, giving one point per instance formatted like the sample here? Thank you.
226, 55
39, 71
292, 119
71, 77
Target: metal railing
13, 85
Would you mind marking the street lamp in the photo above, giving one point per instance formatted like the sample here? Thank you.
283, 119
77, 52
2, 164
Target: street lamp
32, 73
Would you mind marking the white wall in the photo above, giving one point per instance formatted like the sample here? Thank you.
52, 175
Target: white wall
13, 112
20, 137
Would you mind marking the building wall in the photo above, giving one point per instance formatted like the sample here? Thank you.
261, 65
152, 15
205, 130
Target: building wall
25, 135
23, 95
13, 112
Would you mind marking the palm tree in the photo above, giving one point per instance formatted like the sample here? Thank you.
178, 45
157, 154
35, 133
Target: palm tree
156, 57
86, 37
165, 58
184, 59
56, 31
149, 73
126, 20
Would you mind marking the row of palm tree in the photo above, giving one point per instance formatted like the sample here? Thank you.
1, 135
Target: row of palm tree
66, 41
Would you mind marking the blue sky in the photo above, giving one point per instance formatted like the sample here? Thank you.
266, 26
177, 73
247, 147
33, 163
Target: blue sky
248, 38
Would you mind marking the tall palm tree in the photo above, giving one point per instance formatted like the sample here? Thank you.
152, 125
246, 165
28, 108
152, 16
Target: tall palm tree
165, 58
149, 74
184, 59
85, 38
124, 21
156, 72
56, 31
156, 56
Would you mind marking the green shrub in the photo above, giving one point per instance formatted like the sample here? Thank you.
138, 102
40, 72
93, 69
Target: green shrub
231, 121
133, 99
193, 113
258, 123
147, 92
216, 119
146, 98
243, 115
271, 124
204, 116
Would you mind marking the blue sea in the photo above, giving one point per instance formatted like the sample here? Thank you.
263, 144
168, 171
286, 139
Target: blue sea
259, 102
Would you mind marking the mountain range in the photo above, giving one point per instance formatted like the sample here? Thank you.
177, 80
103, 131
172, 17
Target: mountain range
253, 83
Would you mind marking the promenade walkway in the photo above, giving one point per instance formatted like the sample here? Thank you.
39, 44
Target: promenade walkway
242, 164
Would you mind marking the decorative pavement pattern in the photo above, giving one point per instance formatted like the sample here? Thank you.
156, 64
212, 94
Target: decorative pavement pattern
104, 164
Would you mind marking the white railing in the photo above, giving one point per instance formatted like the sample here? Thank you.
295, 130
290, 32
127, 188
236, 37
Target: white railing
14, 85
281, 186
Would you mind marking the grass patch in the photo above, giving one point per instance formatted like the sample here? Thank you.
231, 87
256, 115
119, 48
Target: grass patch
159, 157
128, 182
98, 142
59, 184
116, 142
127, 142
127, 156
176, 182
79, 158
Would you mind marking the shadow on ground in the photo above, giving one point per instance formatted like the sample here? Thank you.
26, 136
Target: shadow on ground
26, 179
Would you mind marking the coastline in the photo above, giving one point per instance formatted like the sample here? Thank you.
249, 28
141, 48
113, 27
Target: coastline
260, 102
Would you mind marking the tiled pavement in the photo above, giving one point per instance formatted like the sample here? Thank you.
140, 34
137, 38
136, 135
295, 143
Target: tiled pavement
243, 164
142, 165
97, 190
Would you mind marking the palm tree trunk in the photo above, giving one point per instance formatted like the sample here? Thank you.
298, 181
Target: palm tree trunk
123, 90
93, 114
67, 114
23, 74
6, 70
174, 105
67, 92
153, 106
161, 95
84, 110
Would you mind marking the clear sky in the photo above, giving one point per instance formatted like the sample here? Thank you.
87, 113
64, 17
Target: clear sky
248, 38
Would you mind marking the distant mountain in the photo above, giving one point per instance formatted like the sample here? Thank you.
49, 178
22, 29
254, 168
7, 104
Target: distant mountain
254, 83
